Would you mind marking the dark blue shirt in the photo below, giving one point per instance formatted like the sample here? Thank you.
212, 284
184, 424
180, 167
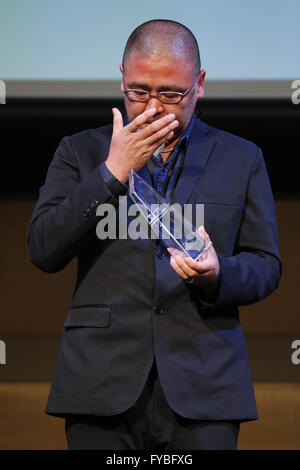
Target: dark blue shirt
164, 175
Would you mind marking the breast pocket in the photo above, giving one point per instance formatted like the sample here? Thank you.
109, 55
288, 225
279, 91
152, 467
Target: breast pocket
97, 316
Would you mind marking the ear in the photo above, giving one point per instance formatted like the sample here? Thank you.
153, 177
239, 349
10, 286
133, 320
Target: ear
122, 71
200, 84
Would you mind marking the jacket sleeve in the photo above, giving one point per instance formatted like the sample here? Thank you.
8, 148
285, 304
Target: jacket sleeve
64, 220
254, 269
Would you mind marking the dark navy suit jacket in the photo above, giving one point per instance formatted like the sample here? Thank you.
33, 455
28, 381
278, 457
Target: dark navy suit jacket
130, 306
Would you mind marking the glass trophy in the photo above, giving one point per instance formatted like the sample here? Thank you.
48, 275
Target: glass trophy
166, 220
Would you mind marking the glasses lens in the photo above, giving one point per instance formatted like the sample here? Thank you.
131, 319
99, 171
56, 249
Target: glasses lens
170, 98
137, 95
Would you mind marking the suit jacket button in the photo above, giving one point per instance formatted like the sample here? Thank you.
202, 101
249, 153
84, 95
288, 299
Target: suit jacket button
86, 212
160, 252
158, 310
93, 204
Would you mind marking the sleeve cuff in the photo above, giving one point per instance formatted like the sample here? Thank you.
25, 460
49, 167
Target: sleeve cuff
208, 296
113, 185
211, 292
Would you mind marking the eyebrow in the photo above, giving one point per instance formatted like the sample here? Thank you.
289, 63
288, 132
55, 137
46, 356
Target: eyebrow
142, 86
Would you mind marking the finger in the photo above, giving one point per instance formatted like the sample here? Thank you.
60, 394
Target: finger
162, 133
208, 243
176, 251
203, 232
198, 266
178, 270
141, 119
157, 143
118, 120
158, 124
172, 251
183, 266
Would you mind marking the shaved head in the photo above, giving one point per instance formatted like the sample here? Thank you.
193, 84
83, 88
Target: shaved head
158, 39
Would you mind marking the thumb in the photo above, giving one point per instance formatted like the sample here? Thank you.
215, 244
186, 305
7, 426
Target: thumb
118, 120
203, 232
201, 229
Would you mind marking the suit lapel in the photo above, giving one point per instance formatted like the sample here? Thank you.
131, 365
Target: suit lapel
202, 142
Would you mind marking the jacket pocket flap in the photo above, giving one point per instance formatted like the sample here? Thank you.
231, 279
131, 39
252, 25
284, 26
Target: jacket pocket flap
97, 316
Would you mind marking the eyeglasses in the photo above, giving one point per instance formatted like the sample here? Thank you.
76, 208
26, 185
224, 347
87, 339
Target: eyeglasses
167, 97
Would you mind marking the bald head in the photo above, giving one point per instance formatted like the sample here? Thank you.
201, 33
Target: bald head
157, 39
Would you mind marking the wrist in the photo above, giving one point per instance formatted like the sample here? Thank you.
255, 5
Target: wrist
117, 172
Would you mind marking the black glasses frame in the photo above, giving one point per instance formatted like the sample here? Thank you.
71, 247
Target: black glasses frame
159, 95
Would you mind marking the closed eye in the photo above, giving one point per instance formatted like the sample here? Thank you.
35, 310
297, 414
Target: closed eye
170, 94
140, 92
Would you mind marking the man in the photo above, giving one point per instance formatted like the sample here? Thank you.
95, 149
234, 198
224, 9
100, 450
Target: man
152, 355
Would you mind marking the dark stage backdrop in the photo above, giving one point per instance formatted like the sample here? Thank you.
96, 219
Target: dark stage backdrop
32, 128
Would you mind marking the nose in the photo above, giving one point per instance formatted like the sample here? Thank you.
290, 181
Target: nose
155, 103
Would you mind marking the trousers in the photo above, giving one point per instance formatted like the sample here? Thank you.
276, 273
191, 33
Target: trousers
149, 424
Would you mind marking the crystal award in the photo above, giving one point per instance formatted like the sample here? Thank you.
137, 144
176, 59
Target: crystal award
165, 220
